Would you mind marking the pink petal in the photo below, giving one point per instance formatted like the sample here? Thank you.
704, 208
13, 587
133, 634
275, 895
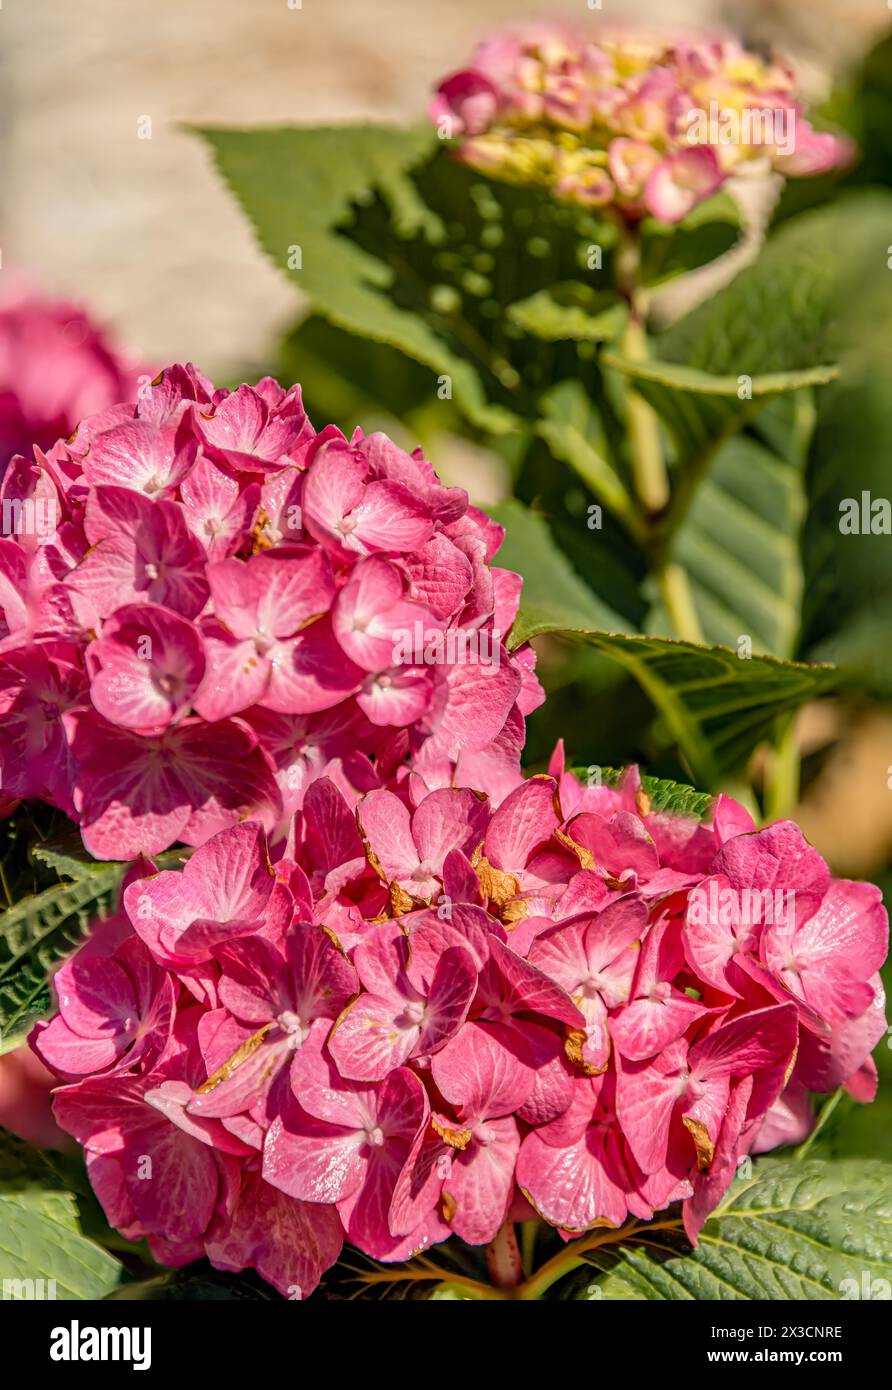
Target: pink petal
681, 181
145, 668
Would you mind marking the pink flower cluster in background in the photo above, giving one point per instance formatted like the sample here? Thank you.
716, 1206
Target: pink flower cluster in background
206, 604
428, 1015
56, 366
642, 123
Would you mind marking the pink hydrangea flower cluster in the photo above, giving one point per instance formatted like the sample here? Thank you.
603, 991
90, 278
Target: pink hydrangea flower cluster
642, 123
429, 1015
56, 366
207, 603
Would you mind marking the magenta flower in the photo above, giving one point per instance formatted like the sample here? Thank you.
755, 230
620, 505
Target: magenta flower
594, 958
344, 1142
392, 1021
422, 1014
225, 890
280, 997
685, 1092
115, 1012
204, 554
137, 795
146, 667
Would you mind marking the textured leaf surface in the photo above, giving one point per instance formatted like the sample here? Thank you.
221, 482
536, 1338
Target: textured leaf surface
572, 429
740, 545
673, 798
37, 932
570, 311
786, 311
716, 707
794, 1231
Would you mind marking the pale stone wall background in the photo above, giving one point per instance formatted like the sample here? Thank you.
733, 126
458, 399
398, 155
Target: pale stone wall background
143, 231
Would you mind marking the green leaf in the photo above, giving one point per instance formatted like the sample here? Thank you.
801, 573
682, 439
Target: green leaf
705, 234
672, 798
847, 615
570, 311
69, 859
37, 932
571, 427
740, 546
677, 377
41, 1234
348, 380
786, 311
301, 187
554, 596
814, 1231
402, 245
713, 705
702, 410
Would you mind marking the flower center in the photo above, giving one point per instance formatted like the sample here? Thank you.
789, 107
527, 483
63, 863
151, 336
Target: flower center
292, 1024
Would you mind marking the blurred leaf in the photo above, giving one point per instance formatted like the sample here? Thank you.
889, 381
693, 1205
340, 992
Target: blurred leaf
740, 546
873, 115
785, 311
678, 378
348, 380
705, 234
793, 1231
400, 244
301, 187
715, 706
571, 427
41, 1235
570, 311
849, 577
554, 596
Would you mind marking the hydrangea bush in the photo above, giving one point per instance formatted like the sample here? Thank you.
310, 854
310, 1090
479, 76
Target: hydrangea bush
353, 977
207, 603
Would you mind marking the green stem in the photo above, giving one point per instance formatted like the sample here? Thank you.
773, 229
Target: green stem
573, 1256
648, 462
782, 777
645, 444
678, 600
826, 1111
